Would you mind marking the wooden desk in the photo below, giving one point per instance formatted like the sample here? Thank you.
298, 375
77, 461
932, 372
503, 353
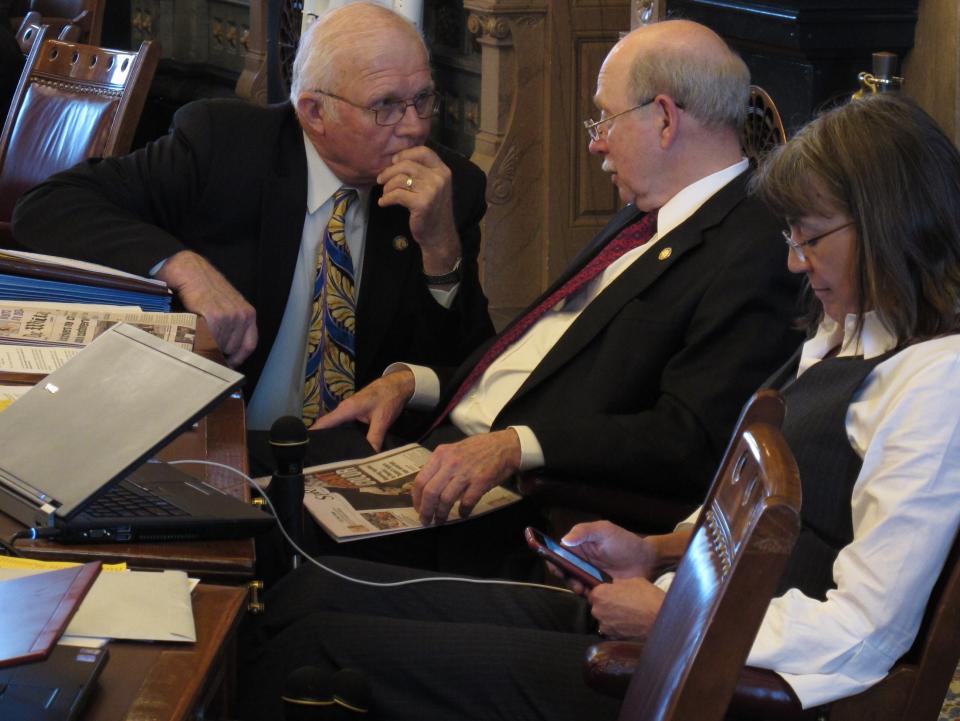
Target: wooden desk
175, 682
220, 436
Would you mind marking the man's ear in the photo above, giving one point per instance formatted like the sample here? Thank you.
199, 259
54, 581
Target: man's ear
668, 116
312, 114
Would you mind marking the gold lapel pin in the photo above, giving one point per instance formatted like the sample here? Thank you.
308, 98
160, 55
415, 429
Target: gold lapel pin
400, 243
665, 253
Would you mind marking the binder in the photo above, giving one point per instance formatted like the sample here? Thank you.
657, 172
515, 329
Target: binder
37, 609
29, 276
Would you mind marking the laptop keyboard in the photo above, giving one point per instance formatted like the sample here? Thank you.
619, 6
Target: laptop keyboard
122, 502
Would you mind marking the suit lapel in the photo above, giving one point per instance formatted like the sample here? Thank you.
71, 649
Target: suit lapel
387, 264
627, 215
283, 208
635, 280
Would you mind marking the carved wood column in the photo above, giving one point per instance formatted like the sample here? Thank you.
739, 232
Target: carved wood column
932, 69
546, 195
510, 147
252, 83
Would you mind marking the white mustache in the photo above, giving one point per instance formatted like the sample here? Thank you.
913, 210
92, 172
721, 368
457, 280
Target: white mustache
607, 166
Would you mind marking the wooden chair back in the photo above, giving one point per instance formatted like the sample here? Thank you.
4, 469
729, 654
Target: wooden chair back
914, 690
73, 102
696, 649
73, 20
763, 128
30, 31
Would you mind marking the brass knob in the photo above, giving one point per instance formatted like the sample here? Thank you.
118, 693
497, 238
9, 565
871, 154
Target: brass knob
254, 605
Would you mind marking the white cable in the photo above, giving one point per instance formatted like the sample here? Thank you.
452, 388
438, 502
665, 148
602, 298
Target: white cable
362, 582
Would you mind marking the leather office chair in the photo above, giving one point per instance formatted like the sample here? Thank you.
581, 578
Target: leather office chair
689, 666
75, 20
763, 128
73, 102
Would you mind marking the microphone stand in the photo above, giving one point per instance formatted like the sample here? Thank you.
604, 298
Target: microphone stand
288, 442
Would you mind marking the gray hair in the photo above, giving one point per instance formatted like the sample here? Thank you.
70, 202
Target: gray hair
329, 45
713, 88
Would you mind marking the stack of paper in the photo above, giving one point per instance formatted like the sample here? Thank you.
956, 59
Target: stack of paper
123, 604
32, 276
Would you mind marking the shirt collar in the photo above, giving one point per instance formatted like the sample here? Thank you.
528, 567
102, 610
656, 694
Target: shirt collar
321, 181
874, 339
685, 203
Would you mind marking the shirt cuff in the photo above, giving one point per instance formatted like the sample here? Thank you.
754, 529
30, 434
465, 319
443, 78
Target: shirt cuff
156, 269
426, 386
531, 454
444, 296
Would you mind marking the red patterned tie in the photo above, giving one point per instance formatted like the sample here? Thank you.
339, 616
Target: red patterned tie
633, 236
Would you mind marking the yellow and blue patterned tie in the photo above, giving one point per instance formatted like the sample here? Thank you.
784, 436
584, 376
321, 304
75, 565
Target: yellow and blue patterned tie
330, 345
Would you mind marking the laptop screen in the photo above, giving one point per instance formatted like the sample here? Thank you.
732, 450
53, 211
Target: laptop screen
100, 415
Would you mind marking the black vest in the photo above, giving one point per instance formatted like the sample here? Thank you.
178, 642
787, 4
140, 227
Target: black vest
815, 428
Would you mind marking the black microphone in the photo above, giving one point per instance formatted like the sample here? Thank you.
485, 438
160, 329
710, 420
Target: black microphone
310, 694
288, 442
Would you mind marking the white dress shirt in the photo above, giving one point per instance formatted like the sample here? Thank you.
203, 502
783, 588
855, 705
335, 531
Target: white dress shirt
905, 424
279, 391
478, 409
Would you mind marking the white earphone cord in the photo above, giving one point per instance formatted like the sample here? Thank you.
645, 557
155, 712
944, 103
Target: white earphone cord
362, 582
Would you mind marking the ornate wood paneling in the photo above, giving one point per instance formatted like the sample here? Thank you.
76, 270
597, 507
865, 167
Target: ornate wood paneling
547, 195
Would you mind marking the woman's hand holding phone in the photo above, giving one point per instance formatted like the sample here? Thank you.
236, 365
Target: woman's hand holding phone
568, 564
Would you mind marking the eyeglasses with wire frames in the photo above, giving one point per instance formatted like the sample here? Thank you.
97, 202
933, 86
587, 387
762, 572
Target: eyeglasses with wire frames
596, 132
391, 112
797, 246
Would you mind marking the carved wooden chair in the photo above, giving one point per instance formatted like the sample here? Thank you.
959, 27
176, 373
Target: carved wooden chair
763, 128
914, 689
689, 666
73, 102
73, 20
31, 30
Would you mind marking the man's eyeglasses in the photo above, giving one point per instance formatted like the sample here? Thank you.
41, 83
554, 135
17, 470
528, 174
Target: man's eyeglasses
596, 132
798, 246
391, 112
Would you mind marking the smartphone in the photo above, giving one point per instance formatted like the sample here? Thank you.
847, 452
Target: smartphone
565, 559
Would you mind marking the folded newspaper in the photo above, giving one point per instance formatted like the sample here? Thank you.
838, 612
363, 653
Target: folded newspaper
74, 328
371, 496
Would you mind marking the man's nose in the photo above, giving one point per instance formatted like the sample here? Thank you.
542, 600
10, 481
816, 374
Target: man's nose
598, 146
410, 123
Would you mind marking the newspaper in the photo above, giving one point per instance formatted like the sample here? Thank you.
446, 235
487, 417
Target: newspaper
71, 328
371, 496
33, 360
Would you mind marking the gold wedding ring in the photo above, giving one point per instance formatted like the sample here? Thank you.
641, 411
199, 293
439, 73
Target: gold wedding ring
408, 183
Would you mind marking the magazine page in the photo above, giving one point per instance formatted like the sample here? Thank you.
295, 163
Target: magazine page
371, 496
73, 328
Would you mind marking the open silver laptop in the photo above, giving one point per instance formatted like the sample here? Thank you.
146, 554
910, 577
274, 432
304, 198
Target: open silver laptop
84, 435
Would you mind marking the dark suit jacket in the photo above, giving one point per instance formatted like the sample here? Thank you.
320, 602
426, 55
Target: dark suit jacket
644, 388
230, 183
